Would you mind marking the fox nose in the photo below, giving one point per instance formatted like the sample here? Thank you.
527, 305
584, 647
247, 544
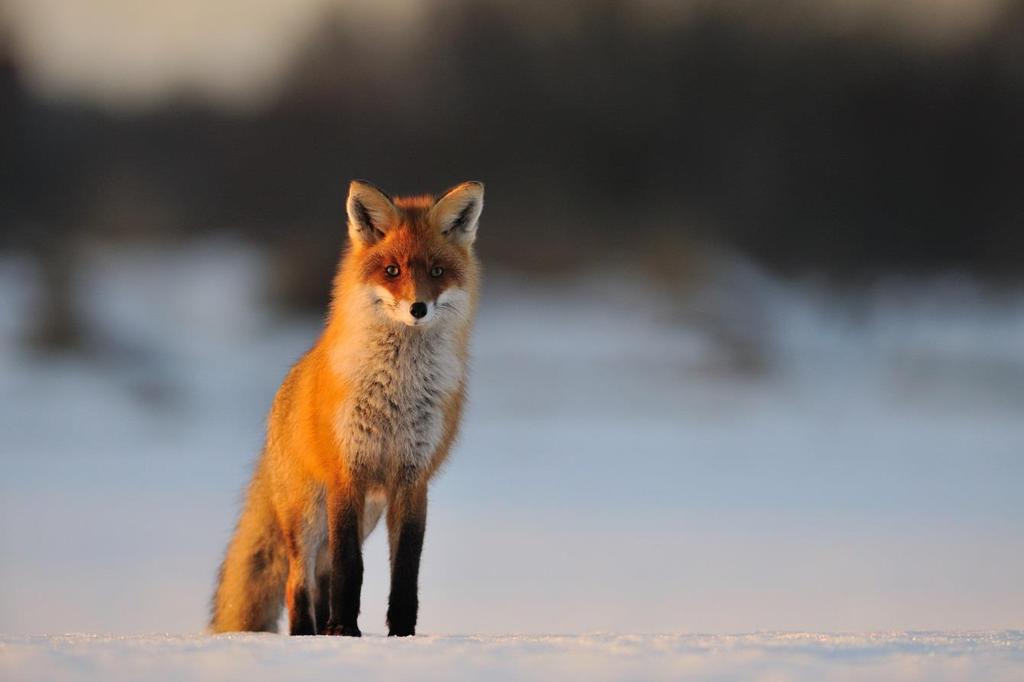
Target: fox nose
418, 309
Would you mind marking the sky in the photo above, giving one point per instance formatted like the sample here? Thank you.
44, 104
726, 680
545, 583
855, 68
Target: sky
130, 55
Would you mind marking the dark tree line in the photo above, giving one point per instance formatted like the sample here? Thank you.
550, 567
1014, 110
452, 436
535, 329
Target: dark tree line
601, 134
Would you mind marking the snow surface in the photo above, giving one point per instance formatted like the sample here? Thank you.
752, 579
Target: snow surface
775, 657
750, 455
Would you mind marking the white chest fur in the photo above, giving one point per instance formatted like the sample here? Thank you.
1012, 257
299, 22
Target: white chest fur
402, 379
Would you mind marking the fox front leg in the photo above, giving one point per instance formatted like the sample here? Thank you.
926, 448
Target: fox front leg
407, 518
346, 558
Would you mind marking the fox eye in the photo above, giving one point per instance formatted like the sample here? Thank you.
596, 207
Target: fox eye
436, 271
391, 271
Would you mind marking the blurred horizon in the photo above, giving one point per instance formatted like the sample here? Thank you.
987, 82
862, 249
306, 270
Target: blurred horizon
757, 455
845, 139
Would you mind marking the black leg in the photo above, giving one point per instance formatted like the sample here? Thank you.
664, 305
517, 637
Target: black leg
346, 567
300, 619
406, 525
323, 602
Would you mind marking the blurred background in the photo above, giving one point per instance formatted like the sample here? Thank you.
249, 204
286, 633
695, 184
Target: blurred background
751, 348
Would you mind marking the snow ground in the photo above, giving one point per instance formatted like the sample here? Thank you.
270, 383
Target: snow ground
756, 456
790, 657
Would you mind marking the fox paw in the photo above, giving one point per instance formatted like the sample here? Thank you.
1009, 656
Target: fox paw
408, 631
342, 630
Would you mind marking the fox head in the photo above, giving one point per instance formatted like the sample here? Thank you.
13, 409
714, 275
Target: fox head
412, 256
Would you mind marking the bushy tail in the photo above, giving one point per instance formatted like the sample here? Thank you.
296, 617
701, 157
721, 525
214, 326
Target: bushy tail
250, 585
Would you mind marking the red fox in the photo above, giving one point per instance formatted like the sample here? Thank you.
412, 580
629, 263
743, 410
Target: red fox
361, 423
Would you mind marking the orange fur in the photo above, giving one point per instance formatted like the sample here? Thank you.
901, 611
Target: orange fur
310, 476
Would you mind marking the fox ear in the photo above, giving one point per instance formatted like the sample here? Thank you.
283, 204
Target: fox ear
457, 213
371, 213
